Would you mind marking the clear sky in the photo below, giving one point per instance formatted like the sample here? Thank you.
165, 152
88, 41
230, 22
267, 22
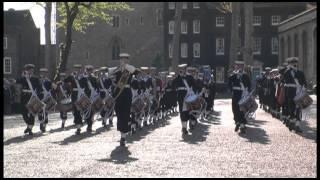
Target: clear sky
37, 13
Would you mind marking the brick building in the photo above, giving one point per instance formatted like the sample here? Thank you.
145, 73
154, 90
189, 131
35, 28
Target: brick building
205, 34
21, 43
138, 32
298, 37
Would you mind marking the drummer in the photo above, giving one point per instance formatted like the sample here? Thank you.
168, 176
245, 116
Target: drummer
239, 83
47, 89
293, 79
26, 79
63, 115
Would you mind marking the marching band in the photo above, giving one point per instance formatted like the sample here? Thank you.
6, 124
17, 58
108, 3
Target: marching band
141, 96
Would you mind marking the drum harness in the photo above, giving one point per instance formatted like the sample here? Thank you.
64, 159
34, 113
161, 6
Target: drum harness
34, 94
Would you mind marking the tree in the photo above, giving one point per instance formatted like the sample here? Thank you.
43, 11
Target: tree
234, 41
78, 16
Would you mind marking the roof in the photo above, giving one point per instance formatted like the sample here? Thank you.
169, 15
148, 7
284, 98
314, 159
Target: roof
17, 17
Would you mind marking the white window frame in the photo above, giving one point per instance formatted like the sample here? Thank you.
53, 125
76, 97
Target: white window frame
171, 5
170, 50
220, 21
4, 65
257, 46
275, 20
5, 44
159, 18
219, 51
171, 27
256, 21
184, 50
196, 5
195, 24
196, 48
220, 74
184, 5
274, 46
184, 27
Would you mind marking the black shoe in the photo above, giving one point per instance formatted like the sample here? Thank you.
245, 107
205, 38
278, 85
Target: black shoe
78, 131
290, 126
184, 131
242, 130
110, 122
89, 129
26, 130
41, 127
30, 132
298, 130
62, 125
104, 124
237, 127
145, 123
122, 142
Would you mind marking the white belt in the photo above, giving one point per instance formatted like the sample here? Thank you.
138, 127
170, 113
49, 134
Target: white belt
290, 85
127, 86
237, 88
181, 88
26, 90
75, 89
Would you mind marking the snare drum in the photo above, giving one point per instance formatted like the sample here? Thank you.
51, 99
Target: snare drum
137, 106
50, 103
35, 105
83, 103
97, 104
303, 100
193, 103
248, 104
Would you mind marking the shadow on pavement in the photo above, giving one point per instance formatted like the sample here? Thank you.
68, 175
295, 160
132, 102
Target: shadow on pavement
256, 123
62, 129
75, 138
199, 134
216, 120
142, 133
308, 132
20, 139
255, 135
120, 155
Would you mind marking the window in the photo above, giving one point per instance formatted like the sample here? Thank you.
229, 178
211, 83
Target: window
274, 45
115, 51
196, 26
184, 5
184, 50
196, 50
184, 27
127, 21
171, 27
5, 42
159, 17
239, 46
275, 20
220, 21
7, 65
220, 46
172, 5
115, 21
257, 46
196, 5
219, 74
141, 20
256, 20
170, 49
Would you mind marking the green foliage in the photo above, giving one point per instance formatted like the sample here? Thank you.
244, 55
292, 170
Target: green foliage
88, 14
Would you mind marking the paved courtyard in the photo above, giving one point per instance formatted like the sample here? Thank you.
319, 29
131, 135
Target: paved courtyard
268, 149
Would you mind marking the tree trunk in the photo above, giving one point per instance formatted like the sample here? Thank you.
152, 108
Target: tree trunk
248, 40
65, 49
234, 41
176, 36
47, 26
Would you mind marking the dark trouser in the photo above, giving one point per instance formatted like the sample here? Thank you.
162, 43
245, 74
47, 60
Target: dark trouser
40, 116
237, 114
122, 109
77, 115
209, 101
292, 111
27, 117
63, 115
184, 115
